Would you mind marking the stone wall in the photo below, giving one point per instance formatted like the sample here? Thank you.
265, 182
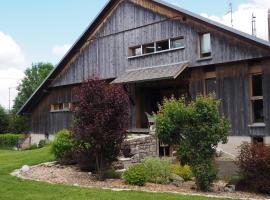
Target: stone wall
138, 146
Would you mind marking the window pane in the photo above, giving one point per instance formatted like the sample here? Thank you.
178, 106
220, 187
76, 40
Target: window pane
210, 85
136, 51
177, 43
257, 85
148, 48
161, 46
257, 106
205, 45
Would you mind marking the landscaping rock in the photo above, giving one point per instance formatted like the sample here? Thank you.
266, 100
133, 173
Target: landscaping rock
229, 188
25, 168
177, 180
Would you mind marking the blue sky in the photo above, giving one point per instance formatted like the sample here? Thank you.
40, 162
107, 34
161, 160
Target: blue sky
42, 30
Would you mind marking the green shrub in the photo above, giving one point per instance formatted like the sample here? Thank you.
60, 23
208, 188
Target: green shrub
32, 147
43, 143
205, 174
158, 170
62, 146
9, 140
182, 171
195, 128
135, 175
111, 174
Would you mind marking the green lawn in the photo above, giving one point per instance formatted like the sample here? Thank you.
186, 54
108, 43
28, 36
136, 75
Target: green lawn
13, 188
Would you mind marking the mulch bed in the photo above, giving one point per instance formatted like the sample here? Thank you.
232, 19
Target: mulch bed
71, 175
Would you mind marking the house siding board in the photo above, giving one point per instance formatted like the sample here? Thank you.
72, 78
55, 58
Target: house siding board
266, 93
43, 121
232, 89
107, 53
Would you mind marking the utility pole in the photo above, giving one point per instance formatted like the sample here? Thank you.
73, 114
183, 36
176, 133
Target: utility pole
9, 98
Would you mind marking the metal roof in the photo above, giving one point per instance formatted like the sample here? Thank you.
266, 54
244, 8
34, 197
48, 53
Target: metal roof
111, 3
171, 71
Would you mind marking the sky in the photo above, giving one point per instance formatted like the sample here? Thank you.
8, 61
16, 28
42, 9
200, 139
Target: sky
34, 31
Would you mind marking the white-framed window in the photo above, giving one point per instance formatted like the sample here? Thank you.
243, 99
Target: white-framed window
60, 107
156, 47
205, 49
256, 98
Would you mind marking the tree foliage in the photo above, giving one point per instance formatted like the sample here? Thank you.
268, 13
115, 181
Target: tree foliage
3, 120
101, 120
196, 129
34, 76
254, 167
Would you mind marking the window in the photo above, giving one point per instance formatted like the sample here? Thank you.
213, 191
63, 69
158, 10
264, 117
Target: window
256, 99
136, 51
60, 107
205, 45
163, 45
148, 48
210, 86
258, 140
155, 47
177, 43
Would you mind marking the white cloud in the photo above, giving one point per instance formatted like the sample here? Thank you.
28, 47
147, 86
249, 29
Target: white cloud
12, 64
11, 55
60, 50
242, 17
9, 78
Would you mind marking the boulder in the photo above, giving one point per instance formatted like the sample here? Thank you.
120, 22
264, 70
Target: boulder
25, 168
176, 180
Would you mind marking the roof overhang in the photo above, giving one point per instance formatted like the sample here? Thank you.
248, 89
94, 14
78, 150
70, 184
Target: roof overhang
154, 73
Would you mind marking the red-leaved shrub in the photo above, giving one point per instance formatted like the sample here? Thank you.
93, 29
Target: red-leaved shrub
101, 120
254, 167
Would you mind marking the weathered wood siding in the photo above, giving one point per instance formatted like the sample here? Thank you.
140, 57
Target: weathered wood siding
43, 121
129, 25
233, 91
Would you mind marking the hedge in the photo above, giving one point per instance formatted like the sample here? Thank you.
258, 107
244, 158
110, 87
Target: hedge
9, 140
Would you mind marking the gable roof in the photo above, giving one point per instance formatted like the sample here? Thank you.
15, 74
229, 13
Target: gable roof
40, 91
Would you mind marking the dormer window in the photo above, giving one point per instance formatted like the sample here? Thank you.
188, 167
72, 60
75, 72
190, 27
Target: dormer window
205, 45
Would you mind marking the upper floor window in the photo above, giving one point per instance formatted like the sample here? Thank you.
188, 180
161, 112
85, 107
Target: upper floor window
163, 45
256, 98
155, 47
205, 45
148, 48
177, 43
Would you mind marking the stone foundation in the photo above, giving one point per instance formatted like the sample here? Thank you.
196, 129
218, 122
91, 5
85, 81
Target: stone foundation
138, 146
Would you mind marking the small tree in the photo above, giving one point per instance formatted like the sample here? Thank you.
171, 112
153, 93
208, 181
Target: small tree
3, 120
18, 124
196, 129
101, 120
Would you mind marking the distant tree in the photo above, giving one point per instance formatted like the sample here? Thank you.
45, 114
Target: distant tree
101, 120
3, 120
34, 76
17, 124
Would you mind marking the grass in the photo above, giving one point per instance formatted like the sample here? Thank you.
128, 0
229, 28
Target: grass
13, 188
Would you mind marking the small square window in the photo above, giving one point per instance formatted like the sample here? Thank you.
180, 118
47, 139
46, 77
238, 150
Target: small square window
205, 45
149, 48
258, 140
161, 46
177, 43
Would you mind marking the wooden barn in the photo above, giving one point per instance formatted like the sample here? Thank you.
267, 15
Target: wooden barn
156, 50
